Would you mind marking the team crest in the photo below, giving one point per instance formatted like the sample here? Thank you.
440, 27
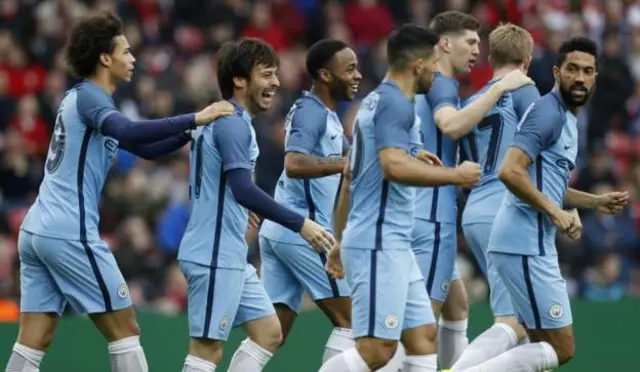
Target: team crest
391, 321
556, 311
445, 286
224, 322
123, 291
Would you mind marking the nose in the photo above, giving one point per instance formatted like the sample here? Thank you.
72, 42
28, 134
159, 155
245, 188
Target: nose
276, 82
358, 75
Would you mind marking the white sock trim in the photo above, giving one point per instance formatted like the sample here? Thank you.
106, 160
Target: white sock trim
455, 325
426, 361
354, 360
33, 356
513, 337
124, 345
551, 358
259, 353
199, 363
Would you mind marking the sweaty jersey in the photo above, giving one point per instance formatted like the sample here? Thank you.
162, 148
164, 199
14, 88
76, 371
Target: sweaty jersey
311, 129
548, 134
487, 145
381, 212
215, 233
437, 204
77, 164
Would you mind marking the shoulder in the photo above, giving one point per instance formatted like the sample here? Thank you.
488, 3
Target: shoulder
88, 95
395, 101
231, 125
310, 109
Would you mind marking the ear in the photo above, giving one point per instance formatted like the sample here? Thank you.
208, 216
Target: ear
526, 64
105, 60
239, 83
556, 73
445, 44
325, 76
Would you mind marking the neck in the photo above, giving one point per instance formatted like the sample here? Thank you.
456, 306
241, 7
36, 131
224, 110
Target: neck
322, 92
244, 101
500, 72
102, 79
406, 82
445, 67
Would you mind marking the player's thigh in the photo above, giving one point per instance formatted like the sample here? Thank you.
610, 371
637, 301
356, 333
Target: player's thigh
434, 245
379, 280
477, 236
86, 273
213, 299
279, 282
418, 314
537, 289
39, 292
499, 297
307, 265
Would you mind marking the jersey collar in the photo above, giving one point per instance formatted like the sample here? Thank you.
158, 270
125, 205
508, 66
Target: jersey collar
241, 111
308, 94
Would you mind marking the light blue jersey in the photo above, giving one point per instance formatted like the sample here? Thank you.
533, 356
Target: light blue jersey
438, 204
311, 129
290, 267
215, 233
384, 120
388, 294
488, 144
549, 136
77, 165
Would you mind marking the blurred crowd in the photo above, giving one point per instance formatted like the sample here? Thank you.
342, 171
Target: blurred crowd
145, 206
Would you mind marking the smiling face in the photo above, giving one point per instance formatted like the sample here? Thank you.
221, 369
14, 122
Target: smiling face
345, 77
262, 86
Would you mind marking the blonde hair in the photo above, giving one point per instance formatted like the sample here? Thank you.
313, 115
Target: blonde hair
510, 44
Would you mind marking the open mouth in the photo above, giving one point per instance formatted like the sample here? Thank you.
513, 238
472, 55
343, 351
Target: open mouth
268, 94
354, 87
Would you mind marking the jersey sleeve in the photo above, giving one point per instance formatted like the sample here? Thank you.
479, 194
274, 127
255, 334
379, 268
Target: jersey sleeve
393, 121
523, 97
308, 125
540, 128
443, 93
232, 137
93, 107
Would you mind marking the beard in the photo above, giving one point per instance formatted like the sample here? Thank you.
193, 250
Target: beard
339, 89
574, 95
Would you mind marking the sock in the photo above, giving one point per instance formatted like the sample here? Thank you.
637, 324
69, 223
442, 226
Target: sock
249, 357
24, 359
340, 340
126, 355
396, 362
491, 343
452, 341
195, 364
534, 357
347, 361
421, 363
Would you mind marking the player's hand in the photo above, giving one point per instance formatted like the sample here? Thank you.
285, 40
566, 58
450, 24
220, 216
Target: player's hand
568, 222
612, 202
317, 236
254, 220
514, 80
429, 158
468, 174
214, 111
334, 263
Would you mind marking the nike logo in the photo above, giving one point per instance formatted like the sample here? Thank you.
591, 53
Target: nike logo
567, 147
334, 136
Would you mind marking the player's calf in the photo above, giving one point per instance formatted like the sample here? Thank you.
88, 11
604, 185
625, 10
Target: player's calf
376, 352
420, 347
120, 328
265, 336
34, 338
452, 333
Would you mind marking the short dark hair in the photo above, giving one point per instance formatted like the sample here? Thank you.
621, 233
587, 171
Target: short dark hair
91, 37
321, 53
405, 41
453, 21
237, 59
576, 44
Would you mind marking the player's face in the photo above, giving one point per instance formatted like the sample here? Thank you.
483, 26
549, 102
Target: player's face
345, 76
121, 62
576, 78
464, 49
425, 70
263, 85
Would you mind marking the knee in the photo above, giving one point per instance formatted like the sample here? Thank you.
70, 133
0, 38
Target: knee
37, 330
210, 350
565, 351
377, 353
421, 340
270, 336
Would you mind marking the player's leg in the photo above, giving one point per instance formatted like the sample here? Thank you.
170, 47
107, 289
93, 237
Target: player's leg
419, 334
454, 320
257, 317
282, 287
306, 269
380, 286
40, 303
506, 331
539, 296
213, 299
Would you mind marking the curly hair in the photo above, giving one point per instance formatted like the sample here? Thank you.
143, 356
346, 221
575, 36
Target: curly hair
91, 37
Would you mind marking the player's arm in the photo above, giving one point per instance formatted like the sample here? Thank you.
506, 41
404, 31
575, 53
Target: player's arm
579, 199
154, 150
392, 136
537, 131
307, 128
456, 123
341, 212
233, 139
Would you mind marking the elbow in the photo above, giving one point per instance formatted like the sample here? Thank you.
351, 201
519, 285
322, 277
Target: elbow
390, 172
506, 174
449, 130
293, 168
